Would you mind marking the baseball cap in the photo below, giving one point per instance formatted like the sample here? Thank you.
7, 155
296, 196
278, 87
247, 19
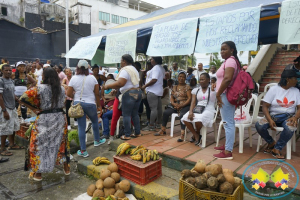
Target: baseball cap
83, 63
46, 65
289, 73
20, 63
297, 59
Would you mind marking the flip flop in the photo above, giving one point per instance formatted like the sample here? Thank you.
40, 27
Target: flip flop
135, 136
123, 137
6, 153
276, 155
159, 134
15, 147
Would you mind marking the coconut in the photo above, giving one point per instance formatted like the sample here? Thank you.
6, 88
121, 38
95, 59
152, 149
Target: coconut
124, 185
109, 183
113, 167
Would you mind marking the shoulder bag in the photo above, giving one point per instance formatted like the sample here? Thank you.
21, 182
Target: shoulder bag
199, 109
76, 111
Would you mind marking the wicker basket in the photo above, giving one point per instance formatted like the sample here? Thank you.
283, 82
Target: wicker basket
189, 192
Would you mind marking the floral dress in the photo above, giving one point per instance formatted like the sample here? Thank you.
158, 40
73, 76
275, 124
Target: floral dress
49, 143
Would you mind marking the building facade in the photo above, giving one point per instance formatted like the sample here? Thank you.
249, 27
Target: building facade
106, 14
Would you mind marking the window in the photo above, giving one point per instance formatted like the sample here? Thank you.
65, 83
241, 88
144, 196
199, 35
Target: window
101, 29
123, 20
115, 19
104, 16
4, 11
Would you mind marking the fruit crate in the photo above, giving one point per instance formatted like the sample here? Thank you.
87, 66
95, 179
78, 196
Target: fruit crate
189, 192
137, 171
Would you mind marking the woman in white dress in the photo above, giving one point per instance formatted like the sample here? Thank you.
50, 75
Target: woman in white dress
202, 108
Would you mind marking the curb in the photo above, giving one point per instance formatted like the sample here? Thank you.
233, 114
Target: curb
150, 191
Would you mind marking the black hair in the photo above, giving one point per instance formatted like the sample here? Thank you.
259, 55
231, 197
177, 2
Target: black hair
166, 68
283, 82
17, 74
157, 59
234, 53
111, 75
190, 69
213, 78
82, 71
165, 83
171, 80
175, 63
60, 68
206, 75
138, 66
5, 60
193, 80
95, 66
51, 78
181, 72
6, 65
128, 58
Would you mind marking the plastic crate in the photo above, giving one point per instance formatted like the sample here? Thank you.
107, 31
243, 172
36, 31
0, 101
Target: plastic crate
137, 171
189, 192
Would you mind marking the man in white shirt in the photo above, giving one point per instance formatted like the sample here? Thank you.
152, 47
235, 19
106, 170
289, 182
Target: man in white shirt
198, 72
213, 70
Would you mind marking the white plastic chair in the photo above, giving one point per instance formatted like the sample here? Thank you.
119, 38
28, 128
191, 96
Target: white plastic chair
87, 124
267, 87
290, 144
173, 116
257, 87
203, 130
118, 126
241, 127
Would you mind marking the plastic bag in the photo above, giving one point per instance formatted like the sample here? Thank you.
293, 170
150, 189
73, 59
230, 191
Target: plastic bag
244, 119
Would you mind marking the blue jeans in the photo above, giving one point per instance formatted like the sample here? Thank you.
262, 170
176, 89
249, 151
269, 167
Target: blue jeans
91, 111
227, 114
130, 105
263, 125
105, 119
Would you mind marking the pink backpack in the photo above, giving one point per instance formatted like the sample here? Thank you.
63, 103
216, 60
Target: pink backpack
241, 90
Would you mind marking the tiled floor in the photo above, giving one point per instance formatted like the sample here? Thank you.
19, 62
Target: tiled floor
169, 146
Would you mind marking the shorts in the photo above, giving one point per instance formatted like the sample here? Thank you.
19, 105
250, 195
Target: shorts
7, 127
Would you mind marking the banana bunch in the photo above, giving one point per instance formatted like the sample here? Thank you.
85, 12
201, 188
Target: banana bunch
100, 160
145, 155
137, 150
123, 148
136, 157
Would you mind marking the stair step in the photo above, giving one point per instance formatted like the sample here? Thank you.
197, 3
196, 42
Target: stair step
275, 75
270, 79
292, 53
277, 71
277, 67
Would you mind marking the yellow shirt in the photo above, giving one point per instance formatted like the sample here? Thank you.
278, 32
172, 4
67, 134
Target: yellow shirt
2, 65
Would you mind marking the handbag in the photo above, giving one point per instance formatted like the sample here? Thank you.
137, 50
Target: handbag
76, 111
198, 108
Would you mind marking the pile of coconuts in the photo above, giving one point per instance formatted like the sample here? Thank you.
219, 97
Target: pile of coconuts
211, 178
109, 185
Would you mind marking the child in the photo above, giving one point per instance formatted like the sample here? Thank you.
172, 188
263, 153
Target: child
213, 80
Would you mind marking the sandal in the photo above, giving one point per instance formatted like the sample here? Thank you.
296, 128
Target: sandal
159, 133
123, 137
135, 136
15, 147
6, 153
181, 136
269, 149
278, 156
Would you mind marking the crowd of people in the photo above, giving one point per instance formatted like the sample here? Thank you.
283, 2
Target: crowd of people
48, 92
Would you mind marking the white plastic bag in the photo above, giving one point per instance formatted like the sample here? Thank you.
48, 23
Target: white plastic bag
245, 118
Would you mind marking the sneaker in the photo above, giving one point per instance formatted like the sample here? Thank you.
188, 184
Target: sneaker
220, 148
223, 156
69, 128
111, 138
145, 123
101, 141
100, 125
158, 126
75, 123
149, 128
82, 153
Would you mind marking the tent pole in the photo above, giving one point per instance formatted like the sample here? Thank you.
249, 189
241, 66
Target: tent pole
186, 62
67, 32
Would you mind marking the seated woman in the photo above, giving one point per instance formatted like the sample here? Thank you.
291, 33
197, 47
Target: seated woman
279, 108
203, 98
180, 103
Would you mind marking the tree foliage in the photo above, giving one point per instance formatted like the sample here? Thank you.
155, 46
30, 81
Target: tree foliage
181, 60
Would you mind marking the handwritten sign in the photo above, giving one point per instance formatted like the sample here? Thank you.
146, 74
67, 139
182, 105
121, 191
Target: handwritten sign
173, 38
85, 48
119, 44
289, 23
240, 26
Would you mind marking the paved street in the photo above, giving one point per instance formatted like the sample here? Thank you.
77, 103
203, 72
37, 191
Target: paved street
14, 182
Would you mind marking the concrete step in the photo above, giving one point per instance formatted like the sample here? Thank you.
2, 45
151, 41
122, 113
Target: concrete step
272, 75
289, 53
274, 71
270, 79
281, 67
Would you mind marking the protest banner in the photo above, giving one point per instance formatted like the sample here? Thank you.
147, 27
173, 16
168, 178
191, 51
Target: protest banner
289, 22
119, 44
173, 38
240, 26
85, 48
